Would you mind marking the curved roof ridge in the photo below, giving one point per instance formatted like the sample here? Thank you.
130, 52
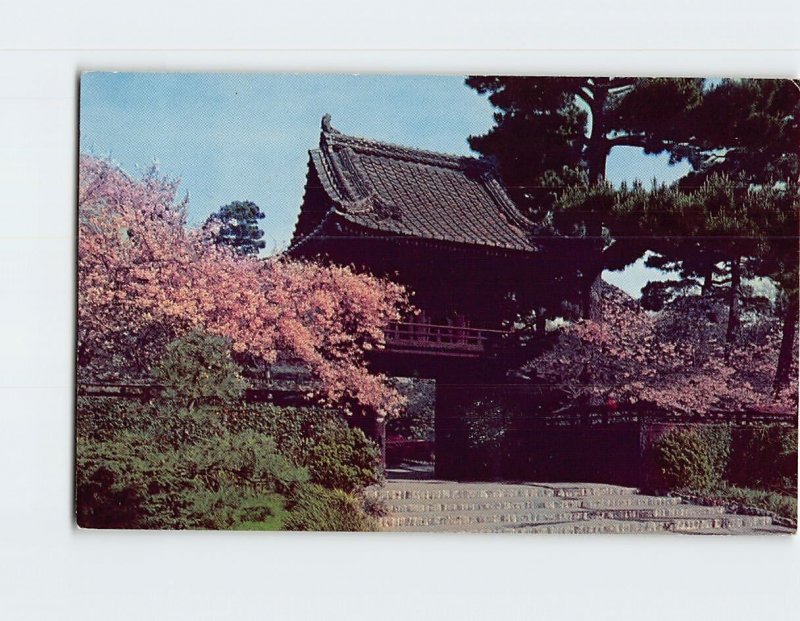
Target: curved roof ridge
333, 137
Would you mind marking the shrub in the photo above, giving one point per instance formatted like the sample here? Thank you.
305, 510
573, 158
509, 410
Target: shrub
262, 513
236, 508
197, 369
487, 437
342, 458
692, 457
101, 418
245, 458
112, 482
375, 507
764, 457
319, 509
489, 423
182, 460
175, 468
132, 482
335, 454
199, 378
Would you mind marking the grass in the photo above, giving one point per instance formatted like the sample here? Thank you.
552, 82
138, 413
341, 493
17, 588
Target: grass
784, 505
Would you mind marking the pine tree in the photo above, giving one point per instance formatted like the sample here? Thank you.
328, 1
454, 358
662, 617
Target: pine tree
748, 129
730, 230
236, 226
777, 208
553, 132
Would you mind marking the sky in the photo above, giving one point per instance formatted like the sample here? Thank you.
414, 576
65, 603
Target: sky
246, 136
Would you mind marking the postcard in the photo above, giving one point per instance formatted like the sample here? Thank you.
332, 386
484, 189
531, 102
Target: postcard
507, 304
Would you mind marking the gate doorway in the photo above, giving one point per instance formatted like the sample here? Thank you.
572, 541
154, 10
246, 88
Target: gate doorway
411, 437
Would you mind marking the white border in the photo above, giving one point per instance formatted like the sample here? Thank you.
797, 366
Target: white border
49, 570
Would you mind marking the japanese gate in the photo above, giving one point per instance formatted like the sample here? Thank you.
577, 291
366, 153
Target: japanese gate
444, 227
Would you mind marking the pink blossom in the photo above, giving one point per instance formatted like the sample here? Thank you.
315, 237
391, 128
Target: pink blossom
144, 276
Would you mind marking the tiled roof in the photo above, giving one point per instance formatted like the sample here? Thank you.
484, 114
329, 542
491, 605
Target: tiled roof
393, 190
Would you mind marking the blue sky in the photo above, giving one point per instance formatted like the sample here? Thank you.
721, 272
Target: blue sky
246, 136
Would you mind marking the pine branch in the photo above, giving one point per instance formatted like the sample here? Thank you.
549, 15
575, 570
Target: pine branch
628, 140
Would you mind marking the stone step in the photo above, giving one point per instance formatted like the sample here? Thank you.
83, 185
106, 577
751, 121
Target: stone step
584, 526
672, 525
404, 505
435, 490
445, 506
772, 529
465, 491
594, 527
536, 516
723, 524
506, 505
582, 490
603, 502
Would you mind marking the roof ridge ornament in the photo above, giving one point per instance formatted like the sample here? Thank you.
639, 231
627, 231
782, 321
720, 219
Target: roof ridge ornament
326, 126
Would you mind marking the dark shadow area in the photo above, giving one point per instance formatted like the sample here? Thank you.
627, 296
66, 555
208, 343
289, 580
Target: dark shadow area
410, 471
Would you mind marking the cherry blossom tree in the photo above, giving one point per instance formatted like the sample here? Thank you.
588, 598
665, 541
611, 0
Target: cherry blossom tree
145, 278
675, 360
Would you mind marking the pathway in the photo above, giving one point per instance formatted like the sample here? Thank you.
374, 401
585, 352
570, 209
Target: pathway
417, 503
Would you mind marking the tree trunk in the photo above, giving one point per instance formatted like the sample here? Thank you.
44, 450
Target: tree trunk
708, 280
597, 148
597, 156
541, 321
733, 300
591, 297
597, 151
786, 355
591, 301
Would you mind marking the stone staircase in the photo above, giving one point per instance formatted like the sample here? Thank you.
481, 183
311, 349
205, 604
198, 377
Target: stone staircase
443, 506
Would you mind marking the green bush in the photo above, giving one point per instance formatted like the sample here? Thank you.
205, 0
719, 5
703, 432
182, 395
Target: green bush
263, 513
374, 506
319, 509
200, 379
112, 481
189, 459
238, 509
335, 454
692, 457
173, 470
198, 369
342, 458
101, 418
246, 458
764, 457
131, 481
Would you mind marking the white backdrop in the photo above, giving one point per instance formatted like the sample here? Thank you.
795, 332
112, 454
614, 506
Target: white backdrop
50, 570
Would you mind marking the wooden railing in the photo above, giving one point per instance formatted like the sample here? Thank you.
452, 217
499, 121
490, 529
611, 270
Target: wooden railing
410, 337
